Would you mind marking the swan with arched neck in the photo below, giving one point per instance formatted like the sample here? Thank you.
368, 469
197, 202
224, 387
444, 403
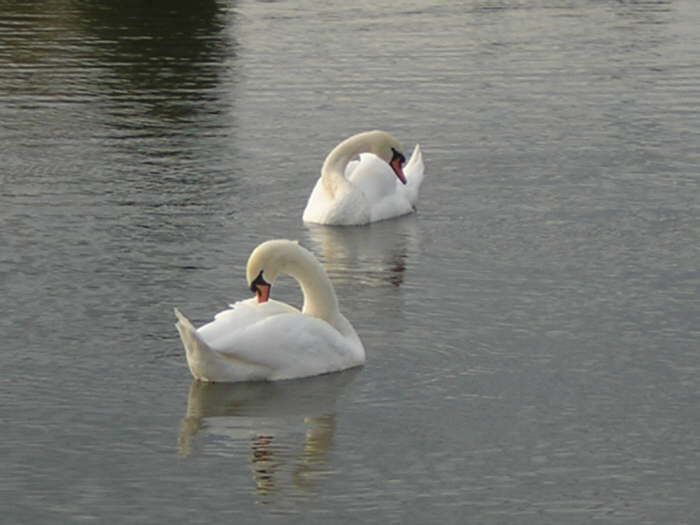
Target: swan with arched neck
380, 185
264, 339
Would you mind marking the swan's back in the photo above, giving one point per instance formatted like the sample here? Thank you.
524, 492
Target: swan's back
242, 314
347, 206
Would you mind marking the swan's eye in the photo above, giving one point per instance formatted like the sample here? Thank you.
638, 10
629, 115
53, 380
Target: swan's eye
397, 155
259, 281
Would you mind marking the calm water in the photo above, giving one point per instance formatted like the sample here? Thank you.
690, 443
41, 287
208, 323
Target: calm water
532, 332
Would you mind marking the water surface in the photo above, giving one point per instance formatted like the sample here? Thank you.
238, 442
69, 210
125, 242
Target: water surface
531, 332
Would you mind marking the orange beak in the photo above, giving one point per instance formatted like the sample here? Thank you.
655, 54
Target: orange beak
398, 169
262, 292
261, 288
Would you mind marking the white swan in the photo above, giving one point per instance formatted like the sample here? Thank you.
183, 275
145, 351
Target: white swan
377, 187
262, 339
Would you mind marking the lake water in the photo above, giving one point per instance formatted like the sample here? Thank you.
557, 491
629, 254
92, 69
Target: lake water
532, 332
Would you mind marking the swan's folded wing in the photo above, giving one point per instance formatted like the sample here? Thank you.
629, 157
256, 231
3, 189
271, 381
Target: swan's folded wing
240, 315
374, 178
292, 344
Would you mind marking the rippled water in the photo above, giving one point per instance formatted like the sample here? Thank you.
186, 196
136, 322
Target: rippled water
532, 332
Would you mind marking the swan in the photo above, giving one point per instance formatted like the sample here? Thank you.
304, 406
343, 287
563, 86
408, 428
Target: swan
377, 187
260, 339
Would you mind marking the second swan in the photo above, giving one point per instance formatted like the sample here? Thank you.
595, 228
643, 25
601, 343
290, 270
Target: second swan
381, 185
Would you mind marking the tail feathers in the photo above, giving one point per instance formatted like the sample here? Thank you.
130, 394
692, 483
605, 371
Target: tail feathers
207, 364
414, 174
188, 334
182, 320
415, 162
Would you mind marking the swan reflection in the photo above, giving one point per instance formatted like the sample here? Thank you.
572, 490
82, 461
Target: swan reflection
371, 255
284, 429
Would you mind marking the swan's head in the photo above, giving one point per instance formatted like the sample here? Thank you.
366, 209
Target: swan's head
265, 264
387, 148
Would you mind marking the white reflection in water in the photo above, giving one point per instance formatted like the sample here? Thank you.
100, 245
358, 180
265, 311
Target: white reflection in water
284, 429
371, 255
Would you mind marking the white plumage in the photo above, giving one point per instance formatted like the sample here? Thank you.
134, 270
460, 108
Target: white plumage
378, 186
272, 340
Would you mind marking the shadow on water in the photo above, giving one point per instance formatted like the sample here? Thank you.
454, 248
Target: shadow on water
164, 97
286, 429
167, 48
166, 55
133, 89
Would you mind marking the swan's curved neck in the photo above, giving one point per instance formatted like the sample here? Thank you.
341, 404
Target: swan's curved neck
319, 296
333, 171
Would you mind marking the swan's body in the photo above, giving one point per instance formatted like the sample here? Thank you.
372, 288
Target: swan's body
377, 187
261, 339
